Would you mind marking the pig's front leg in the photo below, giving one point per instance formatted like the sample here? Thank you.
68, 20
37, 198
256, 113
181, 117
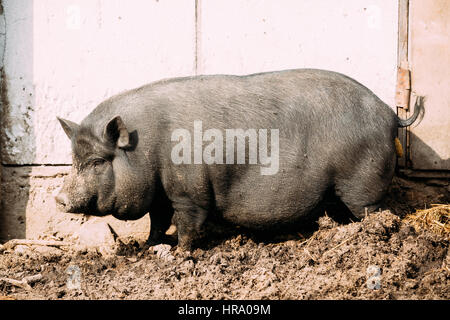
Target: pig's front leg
189, 219
161, 213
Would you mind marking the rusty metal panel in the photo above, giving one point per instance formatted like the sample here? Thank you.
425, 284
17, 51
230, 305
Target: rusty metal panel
403, 88
429, 56
402, 92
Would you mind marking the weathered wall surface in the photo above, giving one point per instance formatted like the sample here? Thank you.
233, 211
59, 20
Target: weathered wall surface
63, 57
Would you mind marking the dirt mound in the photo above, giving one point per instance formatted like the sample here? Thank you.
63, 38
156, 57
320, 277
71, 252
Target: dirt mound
380, 257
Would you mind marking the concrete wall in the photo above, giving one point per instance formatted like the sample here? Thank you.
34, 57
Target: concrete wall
63, 57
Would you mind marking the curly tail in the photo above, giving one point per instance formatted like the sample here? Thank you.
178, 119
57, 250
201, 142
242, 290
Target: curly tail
418, 110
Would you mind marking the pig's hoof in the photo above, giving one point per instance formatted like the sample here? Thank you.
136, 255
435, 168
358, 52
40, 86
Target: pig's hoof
182, 252
151, 243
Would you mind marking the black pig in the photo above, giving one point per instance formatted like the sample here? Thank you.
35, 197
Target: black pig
329, 133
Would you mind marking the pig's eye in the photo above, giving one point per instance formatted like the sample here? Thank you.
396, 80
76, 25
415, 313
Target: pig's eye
98, 162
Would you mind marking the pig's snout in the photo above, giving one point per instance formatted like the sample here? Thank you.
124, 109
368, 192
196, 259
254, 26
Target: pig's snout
62, 201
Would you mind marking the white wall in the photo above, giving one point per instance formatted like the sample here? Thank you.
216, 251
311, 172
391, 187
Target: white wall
63, 57
69, 55
356, 37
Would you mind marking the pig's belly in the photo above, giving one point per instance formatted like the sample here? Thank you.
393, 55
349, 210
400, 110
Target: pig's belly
265, 201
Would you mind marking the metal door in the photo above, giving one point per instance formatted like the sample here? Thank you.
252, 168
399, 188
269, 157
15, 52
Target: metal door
429, 62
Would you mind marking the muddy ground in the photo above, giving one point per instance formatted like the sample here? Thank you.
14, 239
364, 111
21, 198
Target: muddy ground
380, 257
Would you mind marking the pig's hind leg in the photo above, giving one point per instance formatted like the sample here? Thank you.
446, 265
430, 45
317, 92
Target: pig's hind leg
364, 190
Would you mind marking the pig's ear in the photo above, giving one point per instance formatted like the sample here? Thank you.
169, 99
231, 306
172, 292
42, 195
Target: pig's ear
69, 127
116, 132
